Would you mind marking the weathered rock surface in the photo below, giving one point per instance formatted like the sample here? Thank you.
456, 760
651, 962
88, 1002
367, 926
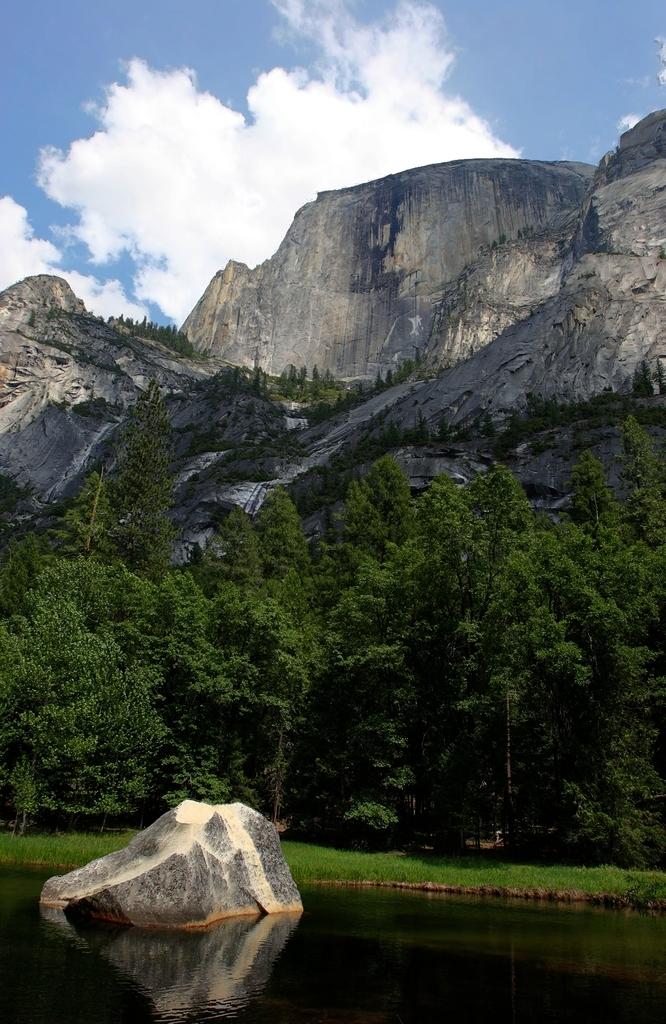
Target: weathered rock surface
67, 380
565, 306
195, 865
608, 315
440, 258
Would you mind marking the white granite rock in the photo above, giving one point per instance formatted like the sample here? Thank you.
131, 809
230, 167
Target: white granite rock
196, 864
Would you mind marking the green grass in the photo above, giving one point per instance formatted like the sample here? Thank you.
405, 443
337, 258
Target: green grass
63, 850
318, 864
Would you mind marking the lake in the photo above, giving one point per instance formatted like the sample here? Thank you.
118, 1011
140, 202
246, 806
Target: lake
354, 956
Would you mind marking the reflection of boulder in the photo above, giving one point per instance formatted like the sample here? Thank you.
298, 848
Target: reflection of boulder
202, 971
195, 865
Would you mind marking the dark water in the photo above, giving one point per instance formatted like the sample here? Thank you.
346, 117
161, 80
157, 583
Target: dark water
354, 956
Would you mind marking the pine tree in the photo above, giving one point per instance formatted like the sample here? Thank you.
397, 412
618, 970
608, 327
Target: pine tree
378, 509
88, 524
281, 540
641, 385
444, 431
233, 554
142, 490
645, 475
487, 426
21, 564
592, 500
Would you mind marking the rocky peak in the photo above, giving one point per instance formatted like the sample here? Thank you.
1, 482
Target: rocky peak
36, 296
639, 148
624, 211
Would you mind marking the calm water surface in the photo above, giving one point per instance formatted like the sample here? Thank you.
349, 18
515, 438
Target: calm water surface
362, 957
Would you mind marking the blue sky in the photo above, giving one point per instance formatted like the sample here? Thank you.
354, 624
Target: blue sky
138, 179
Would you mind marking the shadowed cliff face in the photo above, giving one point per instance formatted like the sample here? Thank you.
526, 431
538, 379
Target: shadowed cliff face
435, 261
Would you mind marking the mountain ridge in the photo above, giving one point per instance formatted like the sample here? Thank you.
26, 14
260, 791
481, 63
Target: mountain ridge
565, 315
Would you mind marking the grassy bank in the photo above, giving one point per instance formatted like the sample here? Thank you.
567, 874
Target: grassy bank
320, 865
66, 850
483, 874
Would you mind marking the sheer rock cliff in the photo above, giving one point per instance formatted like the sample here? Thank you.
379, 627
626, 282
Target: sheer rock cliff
516, 278
435, 261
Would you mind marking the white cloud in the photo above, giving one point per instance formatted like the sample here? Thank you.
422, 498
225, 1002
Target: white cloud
628, 121
22, 255
182, 182
661, 74
104, 298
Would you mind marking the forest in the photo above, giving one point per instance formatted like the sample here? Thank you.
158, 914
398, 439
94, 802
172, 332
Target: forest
441, 672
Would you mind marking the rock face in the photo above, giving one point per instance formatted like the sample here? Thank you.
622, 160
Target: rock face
195, 865
609, 312
508, 277
440, 258
66, 382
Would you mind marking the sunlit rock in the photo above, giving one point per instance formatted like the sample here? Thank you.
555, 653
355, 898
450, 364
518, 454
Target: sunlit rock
195, 865
437, 261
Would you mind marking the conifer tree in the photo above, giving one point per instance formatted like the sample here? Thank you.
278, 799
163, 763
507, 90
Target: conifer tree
660, 377
89, 522
378, 509
641, 385
644, 473
281, 540
233, 554
143, 486
592, 500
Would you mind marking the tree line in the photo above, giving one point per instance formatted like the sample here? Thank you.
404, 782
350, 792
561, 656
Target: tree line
166, 334
435, 671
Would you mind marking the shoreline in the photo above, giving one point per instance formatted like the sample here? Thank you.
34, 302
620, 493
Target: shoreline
608, 900
311, 864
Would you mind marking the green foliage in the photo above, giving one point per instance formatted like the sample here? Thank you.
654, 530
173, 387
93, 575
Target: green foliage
233, 554
88, 523
641, 384
141, 493
168, 335
660, 377
542, 415
592, 502
20, 565
10, 493
378, 509
645, 475
371, 816
440, 669
80, 724
282, 543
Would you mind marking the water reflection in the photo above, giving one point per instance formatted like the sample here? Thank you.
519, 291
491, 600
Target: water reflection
201, 974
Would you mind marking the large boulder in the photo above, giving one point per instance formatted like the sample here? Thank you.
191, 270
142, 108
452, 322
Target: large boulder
196, 864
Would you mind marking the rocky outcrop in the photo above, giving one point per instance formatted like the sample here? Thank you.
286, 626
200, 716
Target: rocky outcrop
195, 865
609, 313
439, 260
67, 380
